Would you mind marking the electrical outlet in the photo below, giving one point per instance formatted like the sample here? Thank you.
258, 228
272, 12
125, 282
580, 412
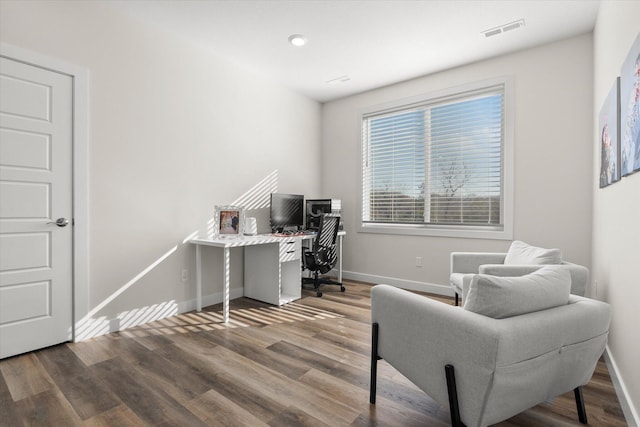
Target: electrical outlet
418, 261
185, 275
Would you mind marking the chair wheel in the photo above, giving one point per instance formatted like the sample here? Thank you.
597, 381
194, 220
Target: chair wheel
342, 288
318, 294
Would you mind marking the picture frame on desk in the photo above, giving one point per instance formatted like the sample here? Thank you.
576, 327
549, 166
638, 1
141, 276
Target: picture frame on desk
229, 222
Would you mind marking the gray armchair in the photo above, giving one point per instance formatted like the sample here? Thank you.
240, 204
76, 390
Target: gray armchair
487, 369
464, 264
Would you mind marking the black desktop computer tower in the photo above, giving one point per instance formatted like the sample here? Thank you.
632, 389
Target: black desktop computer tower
315, 208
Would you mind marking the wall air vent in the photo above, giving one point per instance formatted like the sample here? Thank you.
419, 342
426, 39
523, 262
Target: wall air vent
504, 28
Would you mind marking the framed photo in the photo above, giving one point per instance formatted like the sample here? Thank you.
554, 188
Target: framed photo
609, 137
229, 221
630, 110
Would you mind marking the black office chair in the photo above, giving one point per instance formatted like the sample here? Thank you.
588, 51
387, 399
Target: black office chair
322, 257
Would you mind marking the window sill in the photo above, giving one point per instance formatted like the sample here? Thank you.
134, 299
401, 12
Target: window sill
497, 233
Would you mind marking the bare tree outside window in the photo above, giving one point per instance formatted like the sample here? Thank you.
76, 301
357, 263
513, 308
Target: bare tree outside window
437, 164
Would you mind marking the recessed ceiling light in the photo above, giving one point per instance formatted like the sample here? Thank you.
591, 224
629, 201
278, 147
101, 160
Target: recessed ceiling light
297, 40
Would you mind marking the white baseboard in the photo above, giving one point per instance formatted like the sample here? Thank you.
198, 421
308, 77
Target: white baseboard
630, 412
400, 283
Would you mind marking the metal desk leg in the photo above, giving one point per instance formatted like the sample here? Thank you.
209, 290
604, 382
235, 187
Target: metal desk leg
198, 278
340, 259
225, 284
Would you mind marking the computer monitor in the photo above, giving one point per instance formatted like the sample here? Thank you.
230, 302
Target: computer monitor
287, 211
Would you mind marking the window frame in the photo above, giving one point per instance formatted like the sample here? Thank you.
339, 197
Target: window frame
505, 232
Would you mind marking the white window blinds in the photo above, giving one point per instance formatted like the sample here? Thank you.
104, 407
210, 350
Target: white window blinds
438, 162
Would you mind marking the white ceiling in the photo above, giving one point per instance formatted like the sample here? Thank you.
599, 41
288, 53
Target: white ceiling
373, 42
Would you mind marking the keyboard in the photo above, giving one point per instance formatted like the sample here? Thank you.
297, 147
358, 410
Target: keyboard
294, 233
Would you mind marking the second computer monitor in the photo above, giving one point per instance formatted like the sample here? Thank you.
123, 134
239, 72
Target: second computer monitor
318, 207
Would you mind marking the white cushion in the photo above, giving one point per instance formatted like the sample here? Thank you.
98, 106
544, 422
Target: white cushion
524, 254
501, 297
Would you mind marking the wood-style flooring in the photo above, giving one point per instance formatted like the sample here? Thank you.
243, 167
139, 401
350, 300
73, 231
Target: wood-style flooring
303, 364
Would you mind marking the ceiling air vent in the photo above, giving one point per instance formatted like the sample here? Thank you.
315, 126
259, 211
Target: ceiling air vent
504, 28
338, 80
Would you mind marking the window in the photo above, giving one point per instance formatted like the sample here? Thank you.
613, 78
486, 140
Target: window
437, 165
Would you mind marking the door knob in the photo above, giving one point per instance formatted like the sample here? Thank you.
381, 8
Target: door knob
60, 222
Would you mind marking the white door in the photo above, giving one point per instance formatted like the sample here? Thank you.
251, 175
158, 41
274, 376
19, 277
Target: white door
36, 230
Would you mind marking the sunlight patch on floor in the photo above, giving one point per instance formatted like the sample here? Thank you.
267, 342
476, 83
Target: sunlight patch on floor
239, 318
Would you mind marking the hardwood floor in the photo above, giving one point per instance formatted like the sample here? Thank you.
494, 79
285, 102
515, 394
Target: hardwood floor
303, 364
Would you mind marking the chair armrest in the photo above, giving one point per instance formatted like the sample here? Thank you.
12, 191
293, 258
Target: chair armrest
545, 354
470, 262
529, 335
419, 336
579, 277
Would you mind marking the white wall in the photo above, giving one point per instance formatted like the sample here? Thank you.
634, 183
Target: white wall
169, 139
174, 130
616, 209
553, 158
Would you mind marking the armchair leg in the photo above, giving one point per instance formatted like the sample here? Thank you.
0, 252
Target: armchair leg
457, 300
582, 413
374, 363
453, 396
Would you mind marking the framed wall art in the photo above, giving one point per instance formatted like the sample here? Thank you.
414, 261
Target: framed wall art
630, 110
609, 136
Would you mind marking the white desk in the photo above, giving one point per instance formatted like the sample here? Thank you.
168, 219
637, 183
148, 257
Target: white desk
262, 258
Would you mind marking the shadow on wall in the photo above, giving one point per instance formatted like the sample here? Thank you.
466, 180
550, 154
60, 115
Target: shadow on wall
89, 326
